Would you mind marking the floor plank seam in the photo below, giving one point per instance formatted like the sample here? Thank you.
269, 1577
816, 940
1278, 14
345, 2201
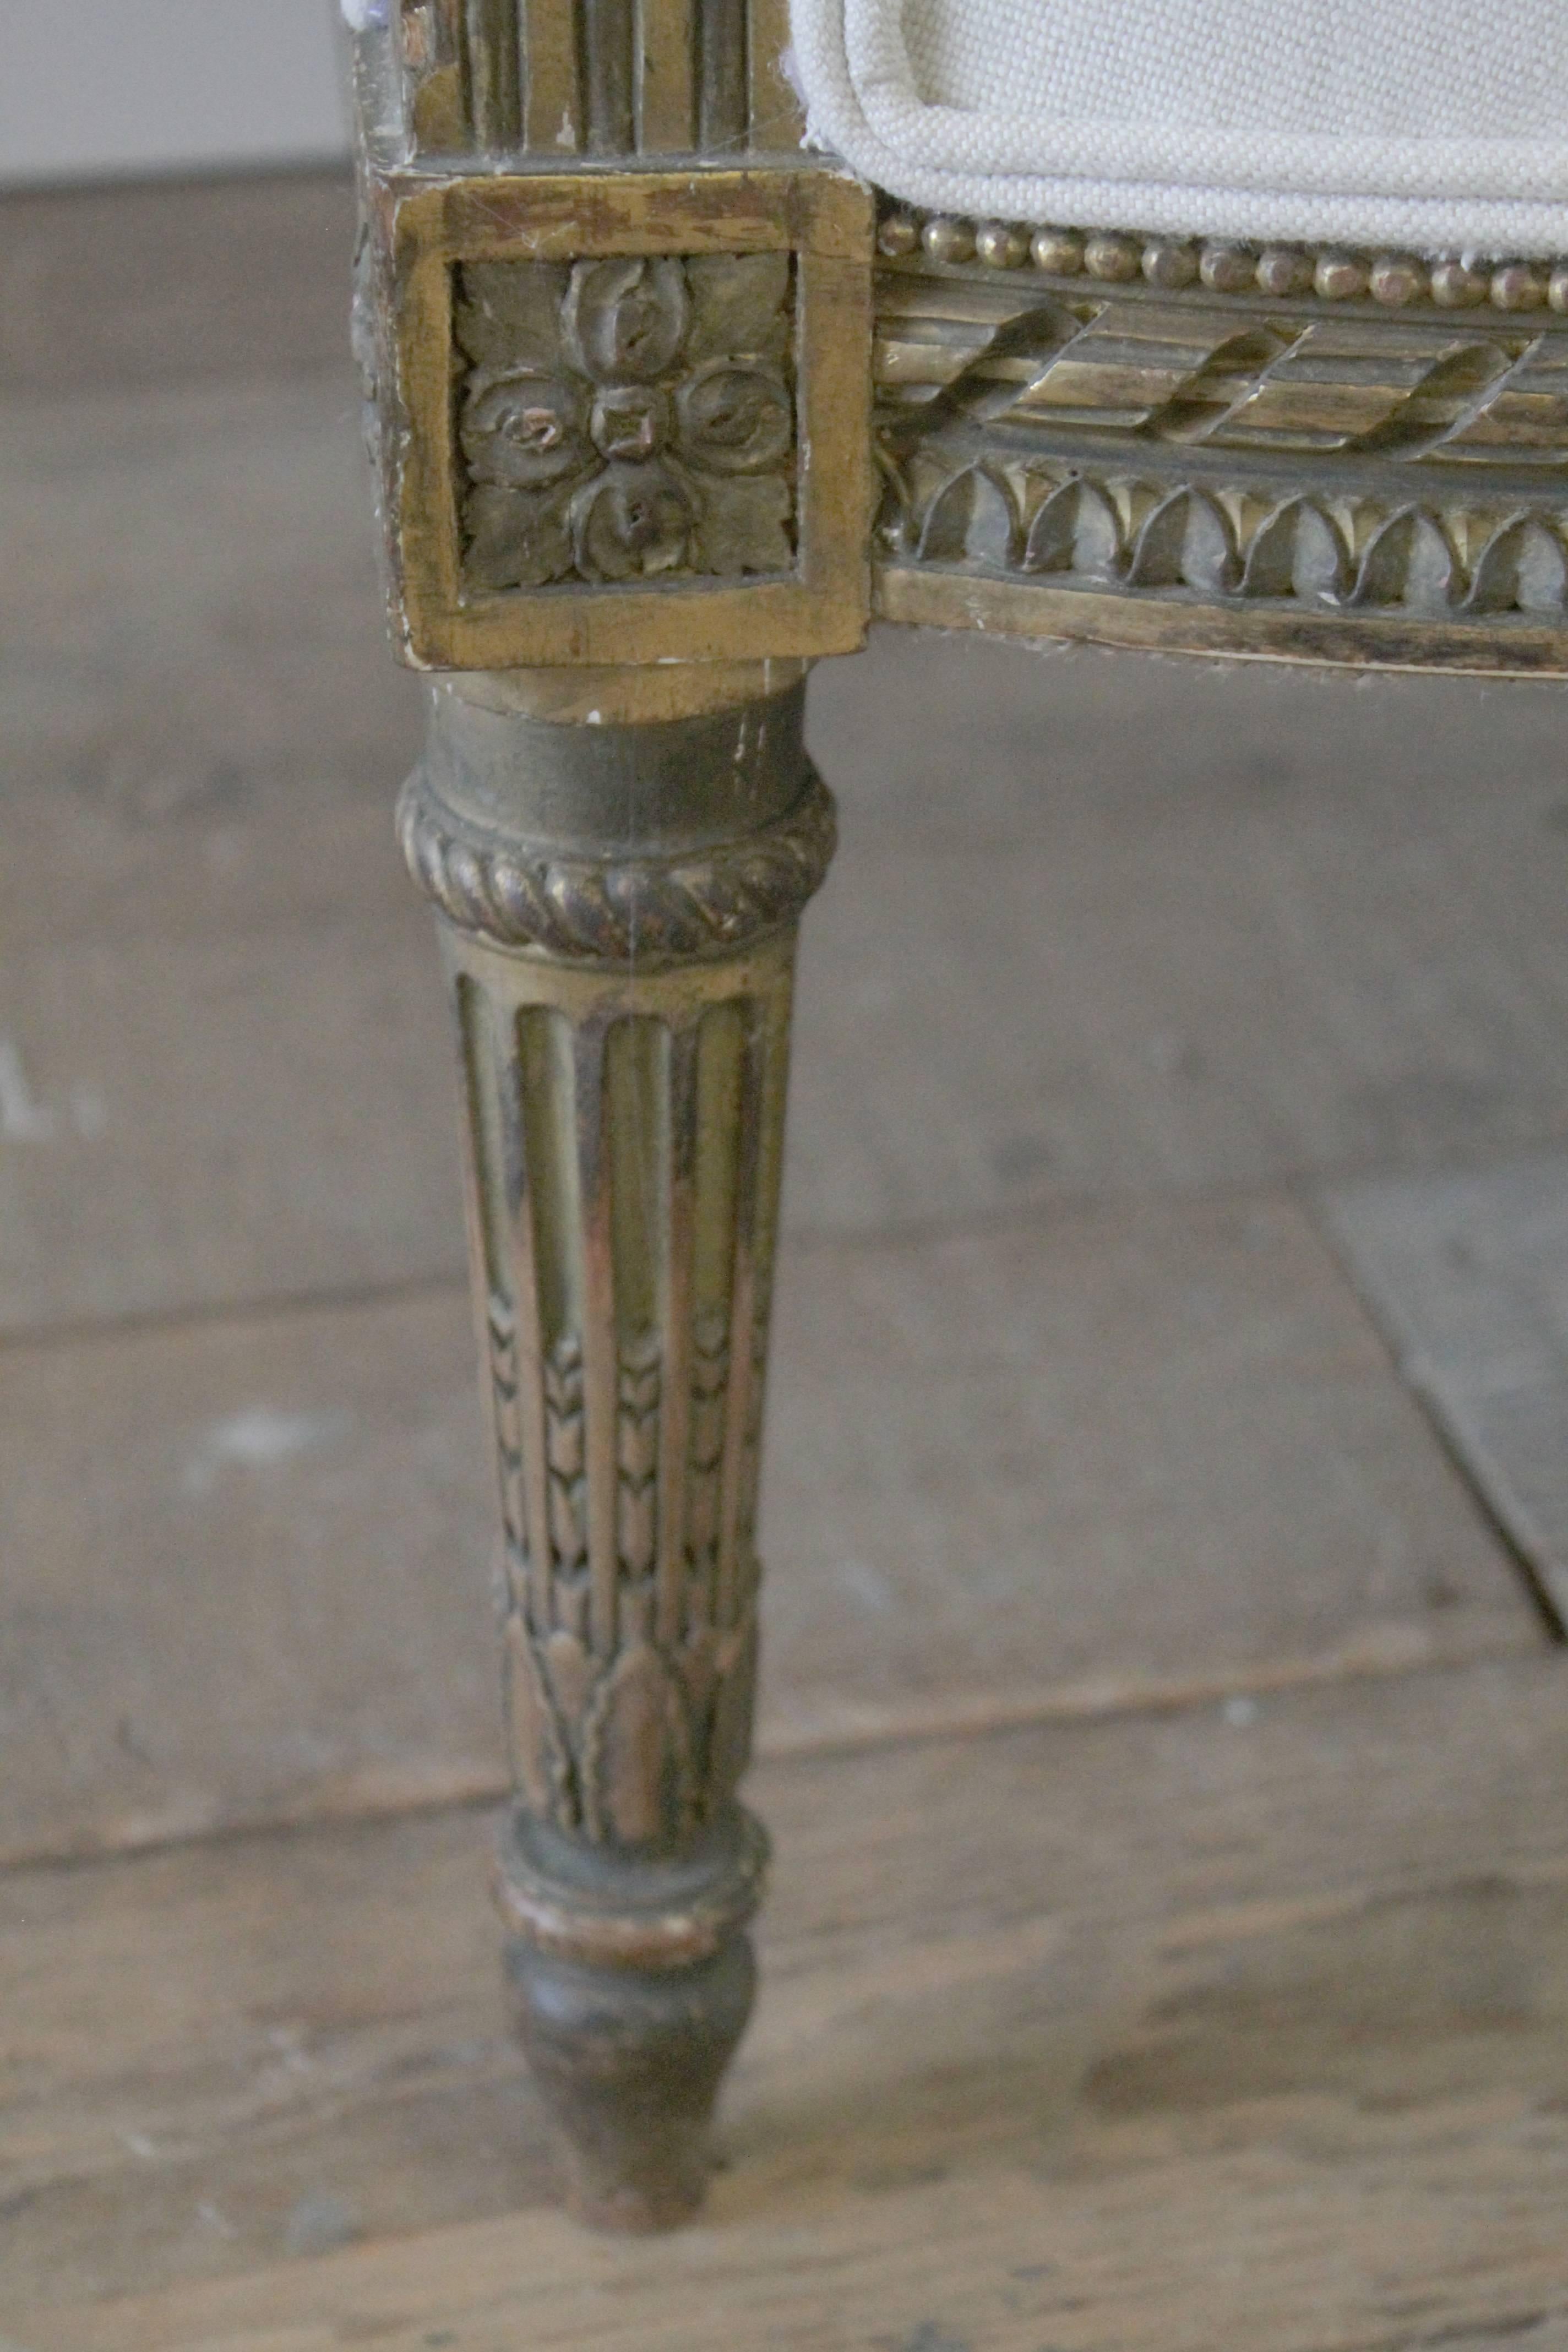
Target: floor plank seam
1446, 1438
1484, 2332
488, 1798
153, 1322
1044, 1217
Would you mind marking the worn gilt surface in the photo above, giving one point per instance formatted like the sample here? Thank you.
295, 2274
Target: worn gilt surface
1222, 450
619, 415
626, 1174
652, 396
622, 418
615, 78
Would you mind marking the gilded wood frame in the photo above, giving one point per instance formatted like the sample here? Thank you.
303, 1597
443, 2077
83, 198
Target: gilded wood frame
1342, 457
661, 410
1206, 448
823, 223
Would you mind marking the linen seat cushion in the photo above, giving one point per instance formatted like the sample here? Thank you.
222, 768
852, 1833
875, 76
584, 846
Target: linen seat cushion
1433, 125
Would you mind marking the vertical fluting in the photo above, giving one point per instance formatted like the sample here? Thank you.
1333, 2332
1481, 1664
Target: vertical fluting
774, 117
519, 1197
621, 77
666, 67
491, 63
552, 111
744, 1239
598, 1336
623, 1023
606, 32
721, 76
494, 1290
676, 1314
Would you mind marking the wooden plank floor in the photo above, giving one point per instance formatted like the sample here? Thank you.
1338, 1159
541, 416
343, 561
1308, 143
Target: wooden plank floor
1213, 2029
1165, 1749
246, 1556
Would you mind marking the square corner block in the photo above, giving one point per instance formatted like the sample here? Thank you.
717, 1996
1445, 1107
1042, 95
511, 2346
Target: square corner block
622, 417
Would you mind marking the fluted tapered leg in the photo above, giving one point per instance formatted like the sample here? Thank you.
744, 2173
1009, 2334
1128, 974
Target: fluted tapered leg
618, 898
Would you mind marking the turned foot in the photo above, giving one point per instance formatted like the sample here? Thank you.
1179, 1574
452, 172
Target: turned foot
629, 2063
631, 1984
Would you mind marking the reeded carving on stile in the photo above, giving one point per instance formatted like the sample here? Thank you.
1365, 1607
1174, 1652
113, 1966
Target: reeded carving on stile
627, 1336
627, 419
625, 78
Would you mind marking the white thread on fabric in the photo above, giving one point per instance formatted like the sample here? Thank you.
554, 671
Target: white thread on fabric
1431, 124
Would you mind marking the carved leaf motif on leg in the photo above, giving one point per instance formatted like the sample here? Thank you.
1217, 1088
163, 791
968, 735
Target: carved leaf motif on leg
565, 1451
627, 419
540, 1748
637, 1456
508, 1426
710, 1379
639, 1786
642, 1749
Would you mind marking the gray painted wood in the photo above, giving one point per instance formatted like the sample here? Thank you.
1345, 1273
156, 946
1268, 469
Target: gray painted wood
1468, 1276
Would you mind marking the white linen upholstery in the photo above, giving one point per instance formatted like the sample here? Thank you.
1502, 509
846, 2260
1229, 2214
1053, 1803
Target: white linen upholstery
1436, 125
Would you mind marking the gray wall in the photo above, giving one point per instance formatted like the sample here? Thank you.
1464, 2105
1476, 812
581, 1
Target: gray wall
90, 88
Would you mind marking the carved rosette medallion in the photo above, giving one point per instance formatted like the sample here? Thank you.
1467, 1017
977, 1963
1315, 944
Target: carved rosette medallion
624, 418
627, 419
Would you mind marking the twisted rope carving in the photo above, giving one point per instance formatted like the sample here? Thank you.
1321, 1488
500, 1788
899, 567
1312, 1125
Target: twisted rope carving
613, 911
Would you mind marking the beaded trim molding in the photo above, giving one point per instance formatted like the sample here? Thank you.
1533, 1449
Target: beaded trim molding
1395, 280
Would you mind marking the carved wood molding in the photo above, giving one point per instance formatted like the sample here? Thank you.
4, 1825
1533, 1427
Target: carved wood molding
1135, 454
1334, 274
1343, 455
622, 417
626, 1137
684, 1917
627, 419
597, 909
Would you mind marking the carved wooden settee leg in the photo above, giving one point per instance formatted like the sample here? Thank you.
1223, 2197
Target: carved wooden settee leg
620, 860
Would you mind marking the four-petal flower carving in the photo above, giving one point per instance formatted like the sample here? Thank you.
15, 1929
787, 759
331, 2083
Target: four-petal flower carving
627, 418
